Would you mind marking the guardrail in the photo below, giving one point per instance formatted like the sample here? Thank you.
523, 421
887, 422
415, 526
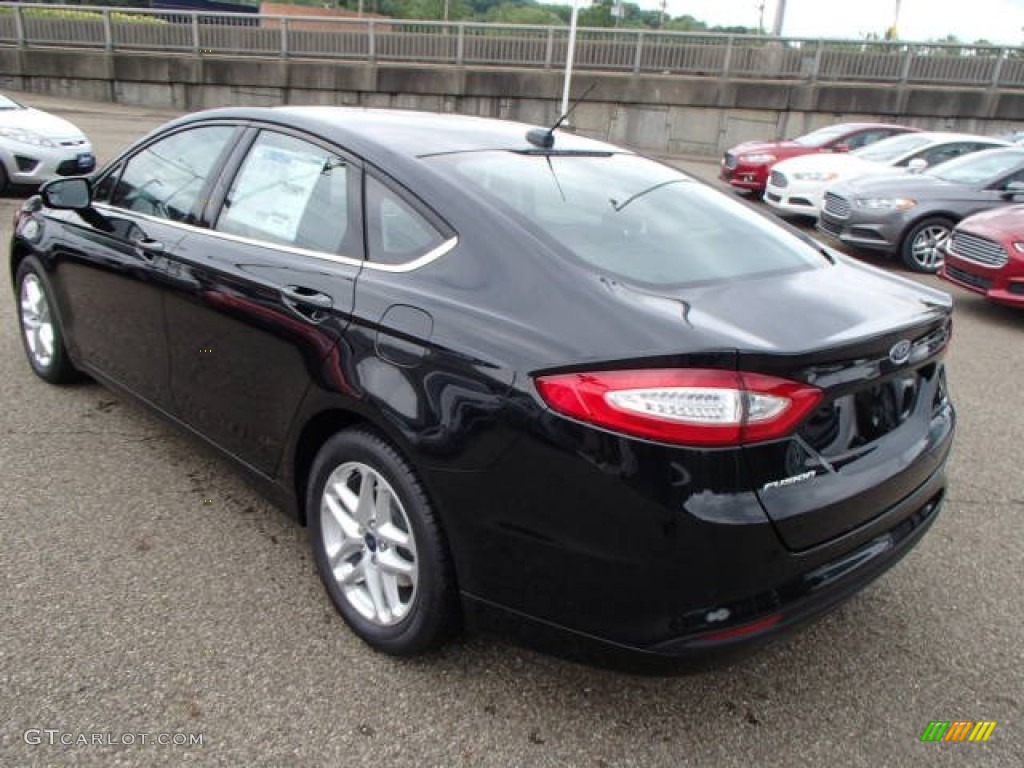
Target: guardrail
504, 45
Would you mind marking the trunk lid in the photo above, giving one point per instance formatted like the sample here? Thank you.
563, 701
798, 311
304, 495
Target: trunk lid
873, 343
882, 427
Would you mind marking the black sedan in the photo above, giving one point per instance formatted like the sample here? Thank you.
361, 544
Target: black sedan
507, 377
913, 215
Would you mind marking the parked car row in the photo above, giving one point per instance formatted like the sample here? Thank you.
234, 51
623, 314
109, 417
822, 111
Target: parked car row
901, 194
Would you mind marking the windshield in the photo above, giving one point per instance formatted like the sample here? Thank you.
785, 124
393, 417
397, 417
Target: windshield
979, 167
822, 136
6, 103
629, 216
891, 149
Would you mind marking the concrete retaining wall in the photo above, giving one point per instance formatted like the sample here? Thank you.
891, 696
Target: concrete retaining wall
666, 114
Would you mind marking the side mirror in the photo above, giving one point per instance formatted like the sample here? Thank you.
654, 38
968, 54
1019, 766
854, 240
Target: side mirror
73, 194
1012, 190
917, 165
841, 147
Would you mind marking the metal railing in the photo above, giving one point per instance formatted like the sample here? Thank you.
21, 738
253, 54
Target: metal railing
505, 45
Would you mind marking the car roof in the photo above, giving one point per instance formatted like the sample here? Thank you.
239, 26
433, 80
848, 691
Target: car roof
854, 127
367, 131
1007, 150
937, 137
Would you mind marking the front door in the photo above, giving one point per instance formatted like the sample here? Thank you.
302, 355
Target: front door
111, 266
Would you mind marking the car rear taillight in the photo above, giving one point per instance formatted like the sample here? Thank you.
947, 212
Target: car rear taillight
683, 406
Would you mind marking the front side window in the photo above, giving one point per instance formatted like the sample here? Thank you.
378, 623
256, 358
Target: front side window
892, 149
821, 137
101, 192
945, 152
166, 178
864, 138
631, 217
291, 192
979, 167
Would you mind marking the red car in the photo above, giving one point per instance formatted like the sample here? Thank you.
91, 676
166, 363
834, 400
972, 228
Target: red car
985, 254
746, 165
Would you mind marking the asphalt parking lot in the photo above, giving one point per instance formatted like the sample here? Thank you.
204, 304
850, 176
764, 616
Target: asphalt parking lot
148, 590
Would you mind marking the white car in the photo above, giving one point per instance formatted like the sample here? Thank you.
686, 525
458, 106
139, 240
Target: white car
796, 187
36, 146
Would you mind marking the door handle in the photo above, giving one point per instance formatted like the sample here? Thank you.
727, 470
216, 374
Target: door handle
307, 302
148, 249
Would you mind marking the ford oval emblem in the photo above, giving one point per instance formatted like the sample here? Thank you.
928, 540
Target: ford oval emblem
900, 352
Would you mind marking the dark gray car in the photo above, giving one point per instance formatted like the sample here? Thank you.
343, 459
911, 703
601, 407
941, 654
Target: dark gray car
913, 215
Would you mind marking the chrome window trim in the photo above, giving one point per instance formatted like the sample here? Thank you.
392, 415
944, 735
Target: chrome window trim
409, 266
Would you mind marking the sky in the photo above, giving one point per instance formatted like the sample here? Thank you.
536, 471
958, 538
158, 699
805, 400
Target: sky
1001, 21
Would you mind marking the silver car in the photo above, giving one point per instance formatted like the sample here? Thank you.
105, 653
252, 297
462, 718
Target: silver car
913, 215
36, 146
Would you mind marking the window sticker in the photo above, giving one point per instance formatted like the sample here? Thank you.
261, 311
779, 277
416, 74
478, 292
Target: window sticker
273, 191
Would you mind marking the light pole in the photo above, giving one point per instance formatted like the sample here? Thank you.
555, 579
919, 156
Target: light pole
569, 55
896, 21
780, 19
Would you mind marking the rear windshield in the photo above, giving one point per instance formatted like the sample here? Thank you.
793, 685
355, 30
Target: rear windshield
887, 150
629, 216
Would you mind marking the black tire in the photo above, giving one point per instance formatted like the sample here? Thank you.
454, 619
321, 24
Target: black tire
921, 250
347, 460
4, 180
56, 368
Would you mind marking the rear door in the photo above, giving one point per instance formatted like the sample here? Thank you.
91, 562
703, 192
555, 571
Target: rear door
261, 296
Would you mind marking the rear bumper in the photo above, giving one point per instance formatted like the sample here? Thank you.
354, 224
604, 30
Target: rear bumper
766, 616
632, 558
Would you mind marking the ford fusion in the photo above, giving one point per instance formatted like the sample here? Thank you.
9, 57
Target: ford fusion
508, 377
985, 254
36, 146
913, 215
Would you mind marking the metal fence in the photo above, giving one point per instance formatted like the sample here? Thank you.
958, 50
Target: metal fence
504, 45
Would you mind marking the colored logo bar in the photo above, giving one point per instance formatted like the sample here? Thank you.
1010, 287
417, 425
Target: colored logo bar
958, 730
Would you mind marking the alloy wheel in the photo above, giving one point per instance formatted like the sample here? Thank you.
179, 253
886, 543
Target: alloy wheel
926, 248
37, 322
369, 543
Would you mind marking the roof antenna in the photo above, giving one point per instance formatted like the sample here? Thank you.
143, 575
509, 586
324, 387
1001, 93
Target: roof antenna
545, 137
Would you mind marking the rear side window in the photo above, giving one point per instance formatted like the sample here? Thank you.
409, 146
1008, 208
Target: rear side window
291, 192
396, 232
166, 178
631, 217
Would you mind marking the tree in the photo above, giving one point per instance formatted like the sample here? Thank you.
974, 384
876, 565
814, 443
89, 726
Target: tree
521, 13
